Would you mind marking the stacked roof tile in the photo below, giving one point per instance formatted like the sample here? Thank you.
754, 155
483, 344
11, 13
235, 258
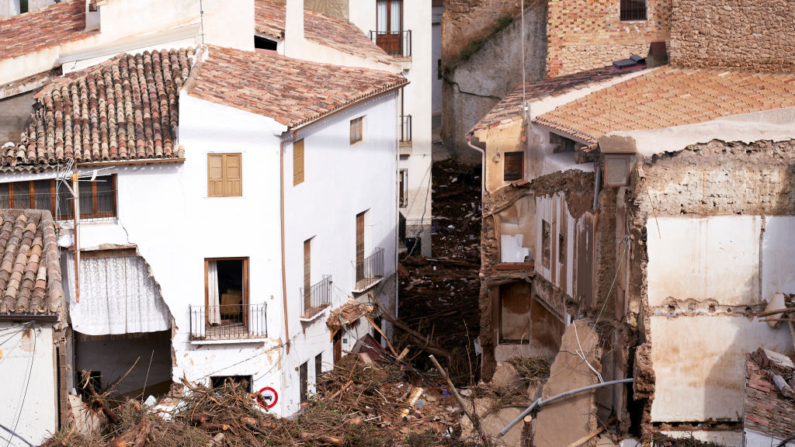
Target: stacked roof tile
767, 411
509, 109
30, 272
123, 109
291, 91
45, 28
322, 29
669, 97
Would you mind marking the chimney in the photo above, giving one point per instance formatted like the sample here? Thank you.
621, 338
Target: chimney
294, 29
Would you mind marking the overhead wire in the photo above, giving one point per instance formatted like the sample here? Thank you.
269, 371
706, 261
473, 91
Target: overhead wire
24, 393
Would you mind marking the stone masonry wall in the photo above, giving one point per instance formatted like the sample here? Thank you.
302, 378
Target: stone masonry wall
587, 34
14, 116
333, 8
756, 35
467, 21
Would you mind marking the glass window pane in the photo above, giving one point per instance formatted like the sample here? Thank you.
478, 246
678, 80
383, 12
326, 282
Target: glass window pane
4, 195
105, 194
43, 196
64, 203
86, 198
21, 195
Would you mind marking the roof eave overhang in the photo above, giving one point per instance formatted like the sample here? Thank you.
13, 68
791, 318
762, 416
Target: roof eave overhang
563, 133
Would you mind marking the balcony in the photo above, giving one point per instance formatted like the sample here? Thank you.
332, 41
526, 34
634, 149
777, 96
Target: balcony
369, 271
315, 299
405, 129
229, 322
394, 43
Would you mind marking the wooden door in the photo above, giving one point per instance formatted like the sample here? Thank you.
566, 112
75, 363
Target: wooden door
359, 246
337, 347
307, 274
515, 303
389, 20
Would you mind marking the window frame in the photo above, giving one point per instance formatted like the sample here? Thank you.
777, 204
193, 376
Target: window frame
505, 172
225, 156
357, 125
246, 281
628, 15
627, 158
14, 189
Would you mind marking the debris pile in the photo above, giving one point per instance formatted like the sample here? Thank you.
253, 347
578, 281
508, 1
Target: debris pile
439, 295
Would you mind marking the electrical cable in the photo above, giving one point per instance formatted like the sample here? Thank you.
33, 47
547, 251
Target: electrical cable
15, 434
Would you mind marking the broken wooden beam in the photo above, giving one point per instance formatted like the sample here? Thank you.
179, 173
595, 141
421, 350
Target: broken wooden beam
472, 417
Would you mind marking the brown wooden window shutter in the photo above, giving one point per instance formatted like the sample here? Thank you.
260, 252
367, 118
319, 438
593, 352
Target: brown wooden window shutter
307, 274
359, 246
298, 162
356, 130
224, 175
513, 166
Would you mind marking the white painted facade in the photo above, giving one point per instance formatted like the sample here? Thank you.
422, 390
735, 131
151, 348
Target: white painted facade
28, 383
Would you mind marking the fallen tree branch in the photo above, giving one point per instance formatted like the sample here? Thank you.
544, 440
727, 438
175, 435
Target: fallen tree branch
427, 346
112, 417
472, 417
322, 438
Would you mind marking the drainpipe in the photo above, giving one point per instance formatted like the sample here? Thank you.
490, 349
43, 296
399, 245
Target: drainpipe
597, 184
290, 139
397, 202
482, 167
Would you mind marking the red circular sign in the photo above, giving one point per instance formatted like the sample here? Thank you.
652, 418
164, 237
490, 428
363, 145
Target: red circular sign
270, 395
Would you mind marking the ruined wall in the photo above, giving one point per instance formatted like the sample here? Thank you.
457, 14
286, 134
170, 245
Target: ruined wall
333, 8
472, 85
750, 35
468, 21
697, 220
14, 116
589, 34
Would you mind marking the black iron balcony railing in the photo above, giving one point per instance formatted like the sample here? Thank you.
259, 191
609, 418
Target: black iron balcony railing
229, 322
316, 297
395, 43
369, 271
405, 128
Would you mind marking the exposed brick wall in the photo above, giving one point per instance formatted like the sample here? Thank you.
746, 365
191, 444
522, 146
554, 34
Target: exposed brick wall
14, 116
587, 34
755, 35
467, 21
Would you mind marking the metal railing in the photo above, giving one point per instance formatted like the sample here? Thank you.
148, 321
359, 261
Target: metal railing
228, 322
101, 205
317, 297
395, 43
405, 128
370, 270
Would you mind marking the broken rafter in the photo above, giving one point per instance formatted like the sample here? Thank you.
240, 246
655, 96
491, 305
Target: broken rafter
775, 312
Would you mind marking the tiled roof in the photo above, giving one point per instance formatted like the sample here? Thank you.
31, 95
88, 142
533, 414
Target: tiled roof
509, 109
45, 28
30, 270
669, 97
322, 29
767, 411
123, 109
291, 91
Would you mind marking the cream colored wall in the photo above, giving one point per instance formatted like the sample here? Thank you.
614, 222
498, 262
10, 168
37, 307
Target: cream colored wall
499, 140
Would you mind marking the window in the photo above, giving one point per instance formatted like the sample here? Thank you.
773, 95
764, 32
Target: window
307, 274
633, 10
404, 188
318, 366
356, 130
224, 175
226, 298
513, 167
360, 247
545, 243
561, 249
298, 162
389, 20
438, 69
262, 43
220, 381
23, 6
617, 170
304, 381
97, 197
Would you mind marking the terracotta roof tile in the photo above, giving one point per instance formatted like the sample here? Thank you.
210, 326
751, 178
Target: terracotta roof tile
30, 270
509, 109
291, 91
123, 109
45, 28
322, 29
669, 97
766, 410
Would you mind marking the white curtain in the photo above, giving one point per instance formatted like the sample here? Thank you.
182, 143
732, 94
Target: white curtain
117, 296
395, 25
382, 15
213, 296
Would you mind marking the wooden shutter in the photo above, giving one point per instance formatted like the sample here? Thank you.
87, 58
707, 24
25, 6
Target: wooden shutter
513, 166
359, 246
307, 274
298, 162
215, 175
233, 175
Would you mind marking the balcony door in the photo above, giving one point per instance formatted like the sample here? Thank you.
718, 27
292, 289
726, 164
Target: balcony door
359, 247
389, 20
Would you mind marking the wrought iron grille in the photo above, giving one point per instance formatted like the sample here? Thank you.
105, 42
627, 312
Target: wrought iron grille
229, 322
395, 43
370, 270
316, 297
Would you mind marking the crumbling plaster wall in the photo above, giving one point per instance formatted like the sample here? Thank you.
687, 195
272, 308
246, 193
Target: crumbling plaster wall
589, 34
333, 8
696, 220
471, 86
750, 35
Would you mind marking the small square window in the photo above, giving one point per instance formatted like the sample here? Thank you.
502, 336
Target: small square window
224, 175
356, 130
633, 10
617, 170
513, 168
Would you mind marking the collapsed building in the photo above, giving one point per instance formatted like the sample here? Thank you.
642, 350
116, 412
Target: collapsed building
657, 206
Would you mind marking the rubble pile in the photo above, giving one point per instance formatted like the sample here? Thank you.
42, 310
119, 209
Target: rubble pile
439, 295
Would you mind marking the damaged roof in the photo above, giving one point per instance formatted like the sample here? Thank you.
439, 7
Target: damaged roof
123, 109
44, 28
767, 411
510, 108
668, 97
291, 91
322, 29
30, 270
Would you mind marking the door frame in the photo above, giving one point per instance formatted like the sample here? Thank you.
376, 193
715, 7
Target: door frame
207, 287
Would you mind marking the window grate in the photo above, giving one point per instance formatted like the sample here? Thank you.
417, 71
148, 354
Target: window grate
633, 10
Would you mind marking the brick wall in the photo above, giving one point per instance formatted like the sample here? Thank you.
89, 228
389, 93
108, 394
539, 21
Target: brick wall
587, 34
755, 35
14, 116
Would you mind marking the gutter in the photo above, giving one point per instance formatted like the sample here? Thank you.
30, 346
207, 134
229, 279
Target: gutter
290, 139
